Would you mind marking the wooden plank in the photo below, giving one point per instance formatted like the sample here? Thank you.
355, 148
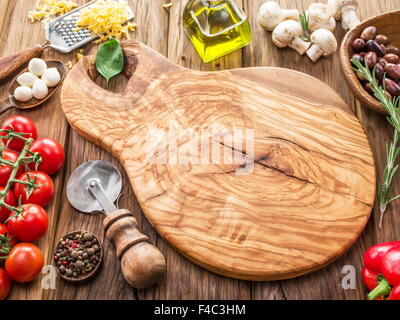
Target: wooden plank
109, 284
15, 37
4, 6
262, 52
184, 279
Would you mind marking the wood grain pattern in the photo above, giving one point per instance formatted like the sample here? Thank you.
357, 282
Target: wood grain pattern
10, 64
142, 264
185, 280
321, 177
387, 24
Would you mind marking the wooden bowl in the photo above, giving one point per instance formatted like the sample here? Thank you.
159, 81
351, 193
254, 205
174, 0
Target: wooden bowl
388, 24
86, 276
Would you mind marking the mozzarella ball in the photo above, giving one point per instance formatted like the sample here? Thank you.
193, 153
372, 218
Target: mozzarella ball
23, 94
40, 90
27, 79
51, 77
37, 66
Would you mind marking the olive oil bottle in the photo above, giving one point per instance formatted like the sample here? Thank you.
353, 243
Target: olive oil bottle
216, 28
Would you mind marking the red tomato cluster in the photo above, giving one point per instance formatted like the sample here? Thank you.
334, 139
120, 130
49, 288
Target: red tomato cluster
24, 260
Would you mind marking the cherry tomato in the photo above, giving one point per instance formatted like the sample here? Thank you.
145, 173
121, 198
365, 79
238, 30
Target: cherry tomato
52, 154
5, 284
5, 170
24, 262
10, 200
19, 124
7, 241
30, 225
41, 195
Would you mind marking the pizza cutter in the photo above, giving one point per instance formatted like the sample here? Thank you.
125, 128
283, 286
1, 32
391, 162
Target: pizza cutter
95, 186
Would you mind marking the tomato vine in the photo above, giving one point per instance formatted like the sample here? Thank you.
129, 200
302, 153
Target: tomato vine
24, 158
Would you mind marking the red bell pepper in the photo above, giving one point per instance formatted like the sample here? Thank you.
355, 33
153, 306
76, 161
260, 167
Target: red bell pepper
381, 272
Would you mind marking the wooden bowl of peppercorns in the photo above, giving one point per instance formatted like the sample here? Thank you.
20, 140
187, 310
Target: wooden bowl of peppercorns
377, 42
78, 256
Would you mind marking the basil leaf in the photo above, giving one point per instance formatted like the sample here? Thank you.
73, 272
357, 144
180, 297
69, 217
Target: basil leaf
110, 59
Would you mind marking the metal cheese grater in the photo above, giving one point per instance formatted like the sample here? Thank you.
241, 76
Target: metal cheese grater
59, 33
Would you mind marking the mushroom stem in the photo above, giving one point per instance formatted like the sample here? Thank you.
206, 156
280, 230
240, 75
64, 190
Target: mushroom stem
315, 52
300, 45
350, 19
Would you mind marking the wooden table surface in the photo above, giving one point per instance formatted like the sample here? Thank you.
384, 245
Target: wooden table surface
161, 29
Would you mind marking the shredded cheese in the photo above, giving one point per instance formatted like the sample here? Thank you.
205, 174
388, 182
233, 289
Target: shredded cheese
69, 65
168, 5
106, 18
79, 55
47, 9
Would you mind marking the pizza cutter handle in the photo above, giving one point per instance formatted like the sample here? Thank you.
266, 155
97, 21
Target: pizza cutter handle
11, 63
142, 264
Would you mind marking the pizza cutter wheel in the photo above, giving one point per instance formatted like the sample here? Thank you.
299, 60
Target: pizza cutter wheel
95, 186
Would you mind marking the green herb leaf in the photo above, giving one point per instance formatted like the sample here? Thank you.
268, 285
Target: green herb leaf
110, 59
304, 21
392, 106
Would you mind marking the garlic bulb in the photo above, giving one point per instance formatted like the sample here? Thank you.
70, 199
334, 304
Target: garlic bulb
37, 66
23, 94
51, 77
39, 89
27, 79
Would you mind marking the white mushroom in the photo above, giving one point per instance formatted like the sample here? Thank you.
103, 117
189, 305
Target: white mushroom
23, 94
324, 44
27, 79
320, 17
345, 10
271, 14
40, 90
288, 34
37, 66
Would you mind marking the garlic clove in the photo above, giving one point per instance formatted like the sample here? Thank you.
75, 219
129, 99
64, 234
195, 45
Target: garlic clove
51, 77
23, 94
27, 79
37, 66
40, 90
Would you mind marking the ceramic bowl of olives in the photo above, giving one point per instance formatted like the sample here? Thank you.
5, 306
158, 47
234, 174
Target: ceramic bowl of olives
375, 43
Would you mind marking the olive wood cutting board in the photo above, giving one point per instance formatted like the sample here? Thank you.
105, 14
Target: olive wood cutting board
300, 206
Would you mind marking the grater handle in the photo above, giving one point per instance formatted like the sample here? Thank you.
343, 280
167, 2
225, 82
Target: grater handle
11, 63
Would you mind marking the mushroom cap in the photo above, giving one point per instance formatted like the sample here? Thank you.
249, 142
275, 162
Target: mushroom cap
285, 32
325, 40
319, 12
320, 17
268, 15
337, 7
334, 8
347, 4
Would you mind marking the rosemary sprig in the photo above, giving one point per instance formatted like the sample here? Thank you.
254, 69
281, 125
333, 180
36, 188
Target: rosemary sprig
304, 21
392, 106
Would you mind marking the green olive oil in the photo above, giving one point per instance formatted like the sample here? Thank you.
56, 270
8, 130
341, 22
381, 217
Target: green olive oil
216, 28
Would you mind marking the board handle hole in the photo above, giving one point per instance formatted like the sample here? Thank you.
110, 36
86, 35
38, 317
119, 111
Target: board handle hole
118, 83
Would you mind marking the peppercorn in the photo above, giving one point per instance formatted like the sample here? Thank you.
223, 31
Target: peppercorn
77, 254
88, 237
